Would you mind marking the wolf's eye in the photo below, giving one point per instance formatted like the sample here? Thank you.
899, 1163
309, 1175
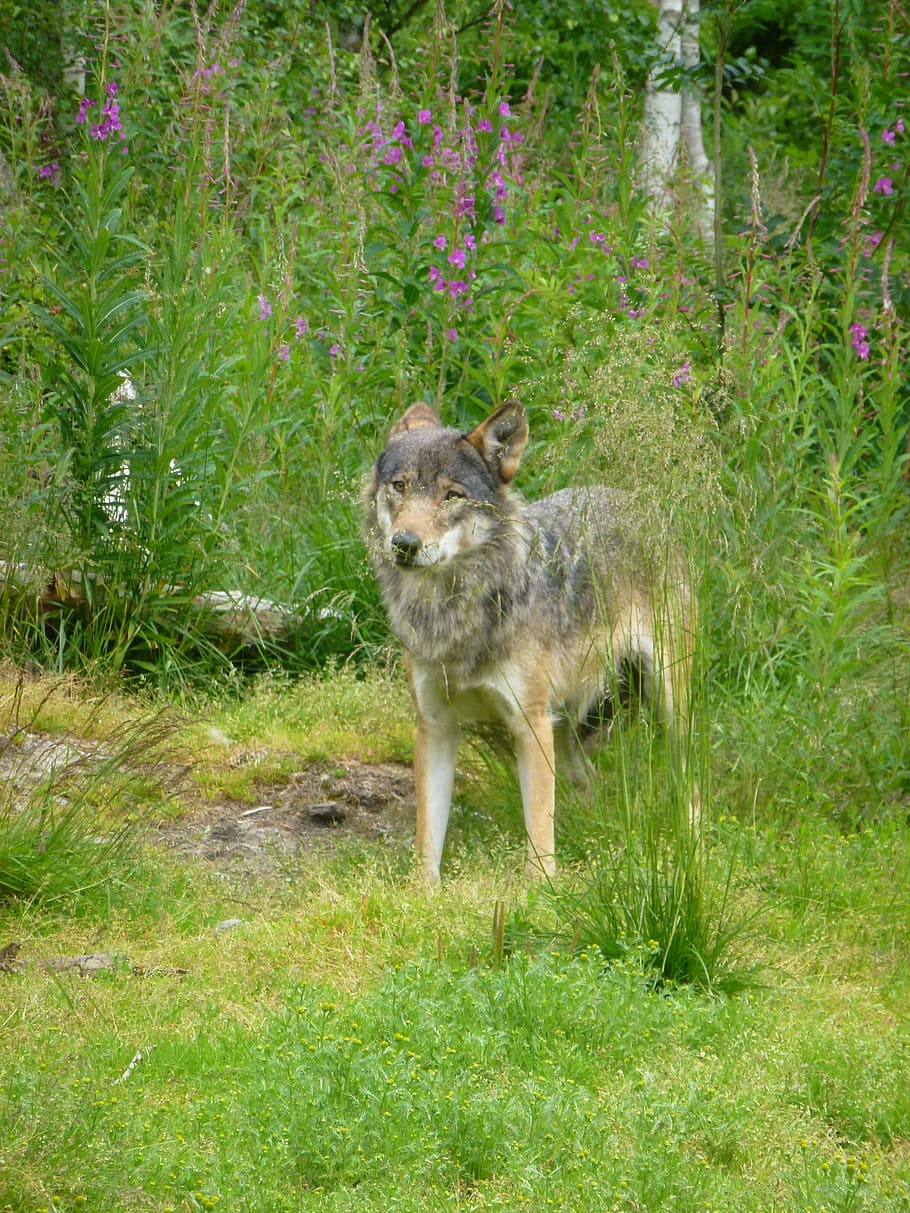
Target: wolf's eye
455, 495
399, 485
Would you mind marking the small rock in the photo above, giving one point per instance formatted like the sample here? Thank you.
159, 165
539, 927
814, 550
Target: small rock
8, 954
229, 924
327, 813
93, 962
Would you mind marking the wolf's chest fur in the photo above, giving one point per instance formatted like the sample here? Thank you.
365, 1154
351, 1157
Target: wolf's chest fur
529, 592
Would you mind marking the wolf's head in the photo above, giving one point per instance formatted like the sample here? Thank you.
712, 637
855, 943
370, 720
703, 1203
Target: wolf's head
437, 494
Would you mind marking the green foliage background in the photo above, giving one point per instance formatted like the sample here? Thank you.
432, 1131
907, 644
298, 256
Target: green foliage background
265, 249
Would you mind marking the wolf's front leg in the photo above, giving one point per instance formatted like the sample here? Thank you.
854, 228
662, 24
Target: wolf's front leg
435, 752
536, 775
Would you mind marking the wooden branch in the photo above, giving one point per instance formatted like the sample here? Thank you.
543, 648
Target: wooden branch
227, 618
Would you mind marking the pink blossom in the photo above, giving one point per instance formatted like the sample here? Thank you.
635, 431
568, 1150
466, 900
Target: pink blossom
683, 375
859, 340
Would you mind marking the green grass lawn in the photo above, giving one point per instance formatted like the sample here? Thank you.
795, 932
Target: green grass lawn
357, 1042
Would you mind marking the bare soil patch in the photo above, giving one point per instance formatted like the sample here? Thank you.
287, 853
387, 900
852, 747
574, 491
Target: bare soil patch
312, 811
319, 806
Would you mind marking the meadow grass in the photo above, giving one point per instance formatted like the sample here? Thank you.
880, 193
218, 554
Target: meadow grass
359, 1041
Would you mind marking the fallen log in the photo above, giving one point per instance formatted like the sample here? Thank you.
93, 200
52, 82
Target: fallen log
227, 618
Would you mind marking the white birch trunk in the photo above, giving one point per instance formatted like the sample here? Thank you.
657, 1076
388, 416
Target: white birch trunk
672, 119
697, 157
662, 121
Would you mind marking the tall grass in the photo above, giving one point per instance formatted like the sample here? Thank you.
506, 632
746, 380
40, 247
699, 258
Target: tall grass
68, 833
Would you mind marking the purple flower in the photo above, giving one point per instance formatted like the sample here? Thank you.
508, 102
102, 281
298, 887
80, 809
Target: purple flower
504, 109
577, 414
335, 350
484, 125
284, 353
899, 125
424, 117
109, 121
265, 308
884, 185
888, 137
466, 206
457, 257
50, 172
640, 263
859, 340
301, 325
436, 279
871, 243
499, 215
683, 375
451, 334
439, 242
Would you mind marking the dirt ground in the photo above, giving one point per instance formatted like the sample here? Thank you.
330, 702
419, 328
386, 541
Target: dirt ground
320, 805
312, 811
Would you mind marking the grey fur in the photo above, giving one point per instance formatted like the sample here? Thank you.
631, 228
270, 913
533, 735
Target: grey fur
519, 610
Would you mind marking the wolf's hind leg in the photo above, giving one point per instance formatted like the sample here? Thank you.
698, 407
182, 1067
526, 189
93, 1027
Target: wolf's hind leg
572, 762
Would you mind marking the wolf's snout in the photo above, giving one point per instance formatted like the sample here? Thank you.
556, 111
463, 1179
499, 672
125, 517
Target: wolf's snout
406, 547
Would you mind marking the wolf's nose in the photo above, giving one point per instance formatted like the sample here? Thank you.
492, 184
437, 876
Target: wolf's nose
405, 546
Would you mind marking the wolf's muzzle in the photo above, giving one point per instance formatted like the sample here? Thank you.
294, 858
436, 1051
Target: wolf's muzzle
406, 547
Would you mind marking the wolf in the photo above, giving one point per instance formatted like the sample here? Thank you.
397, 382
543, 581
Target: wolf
533, 616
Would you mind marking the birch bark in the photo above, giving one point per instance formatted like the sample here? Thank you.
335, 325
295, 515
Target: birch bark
672, 118
662, 122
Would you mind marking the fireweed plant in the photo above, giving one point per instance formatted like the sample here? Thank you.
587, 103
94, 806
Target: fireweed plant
150, 437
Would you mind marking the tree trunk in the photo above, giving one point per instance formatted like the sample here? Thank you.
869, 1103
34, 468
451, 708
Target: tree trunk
672, 119
697, 157
662, 121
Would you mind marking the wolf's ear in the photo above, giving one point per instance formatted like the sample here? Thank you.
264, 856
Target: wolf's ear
418, 417
502, 438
